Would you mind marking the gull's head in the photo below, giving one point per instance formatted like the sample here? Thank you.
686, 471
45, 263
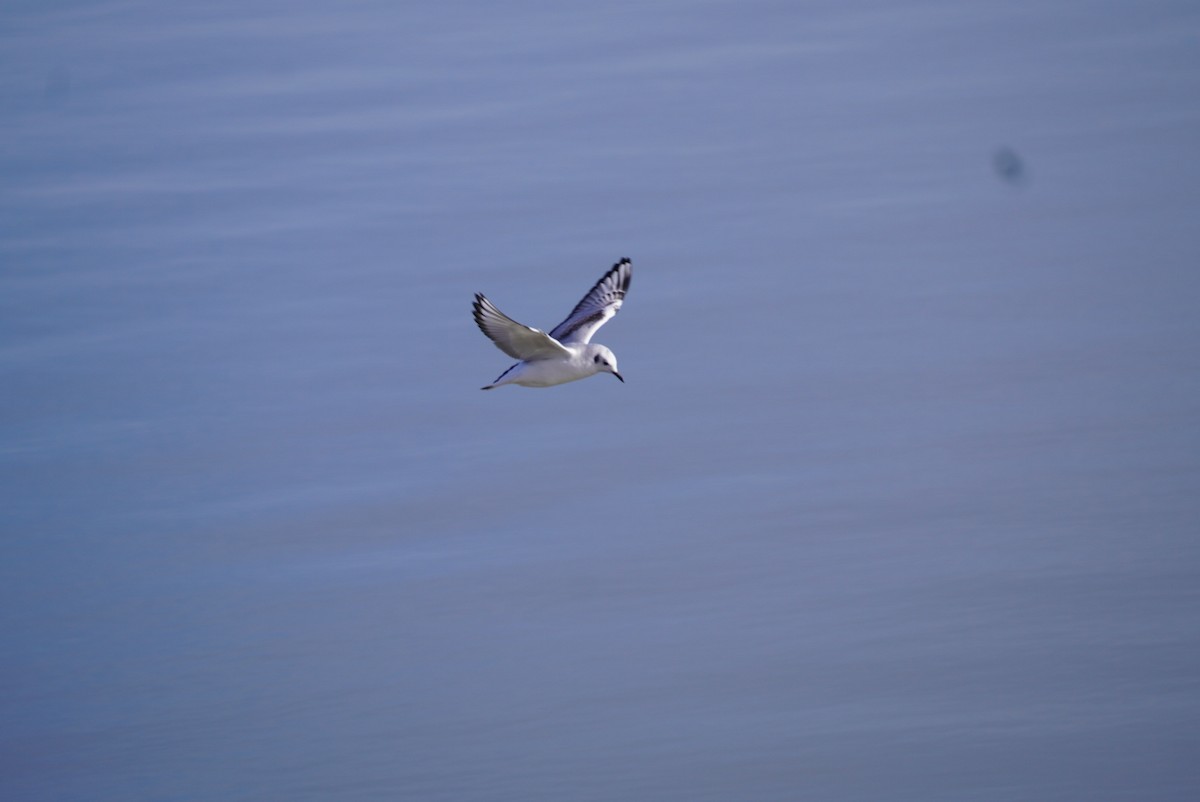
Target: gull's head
604, 360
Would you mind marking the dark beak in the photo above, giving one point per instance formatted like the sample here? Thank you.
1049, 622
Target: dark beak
618, 375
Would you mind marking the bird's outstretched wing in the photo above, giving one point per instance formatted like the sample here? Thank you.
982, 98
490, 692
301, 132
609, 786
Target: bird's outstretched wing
601, 303
515, 339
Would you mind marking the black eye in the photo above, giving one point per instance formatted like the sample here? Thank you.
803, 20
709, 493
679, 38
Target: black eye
596, 359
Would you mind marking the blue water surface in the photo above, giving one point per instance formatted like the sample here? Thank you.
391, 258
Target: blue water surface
900, 501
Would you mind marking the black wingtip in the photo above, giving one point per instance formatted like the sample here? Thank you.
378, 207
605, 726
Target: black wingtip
627, 263
477, 312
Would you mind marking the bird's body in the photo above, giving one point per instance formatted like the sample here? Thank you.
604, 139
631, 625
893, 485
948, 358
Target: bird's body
566, 354
580, 364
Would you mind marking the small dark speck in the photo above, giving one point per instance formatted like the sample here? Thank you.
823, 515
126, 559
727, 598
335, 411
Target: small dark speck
1009, 166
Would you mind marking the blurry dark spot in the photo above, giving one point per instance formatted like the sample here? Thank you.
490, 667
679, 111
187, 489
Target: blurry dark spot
1009, 166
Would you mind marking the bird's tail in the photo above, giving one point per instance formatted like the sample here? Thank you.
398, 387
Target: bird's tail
497, 382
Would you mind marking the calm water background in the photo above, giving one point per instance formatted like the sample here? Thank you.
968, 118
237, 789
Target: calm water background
900, 502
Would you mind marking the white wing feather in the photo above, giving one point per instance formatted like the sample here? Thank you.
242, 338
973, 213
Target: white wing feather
515, 339
597, 307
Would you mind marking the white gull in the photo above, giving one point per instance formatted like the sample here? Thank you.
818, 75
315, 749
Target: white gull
566, 354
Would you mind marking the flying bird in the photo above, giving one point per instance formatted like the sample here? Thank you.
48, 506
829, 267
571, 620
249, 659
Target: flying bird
567, 353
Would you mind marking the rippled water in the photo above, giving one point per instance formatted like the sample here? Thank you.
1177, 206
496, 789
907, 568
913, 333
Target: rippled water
900, 500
